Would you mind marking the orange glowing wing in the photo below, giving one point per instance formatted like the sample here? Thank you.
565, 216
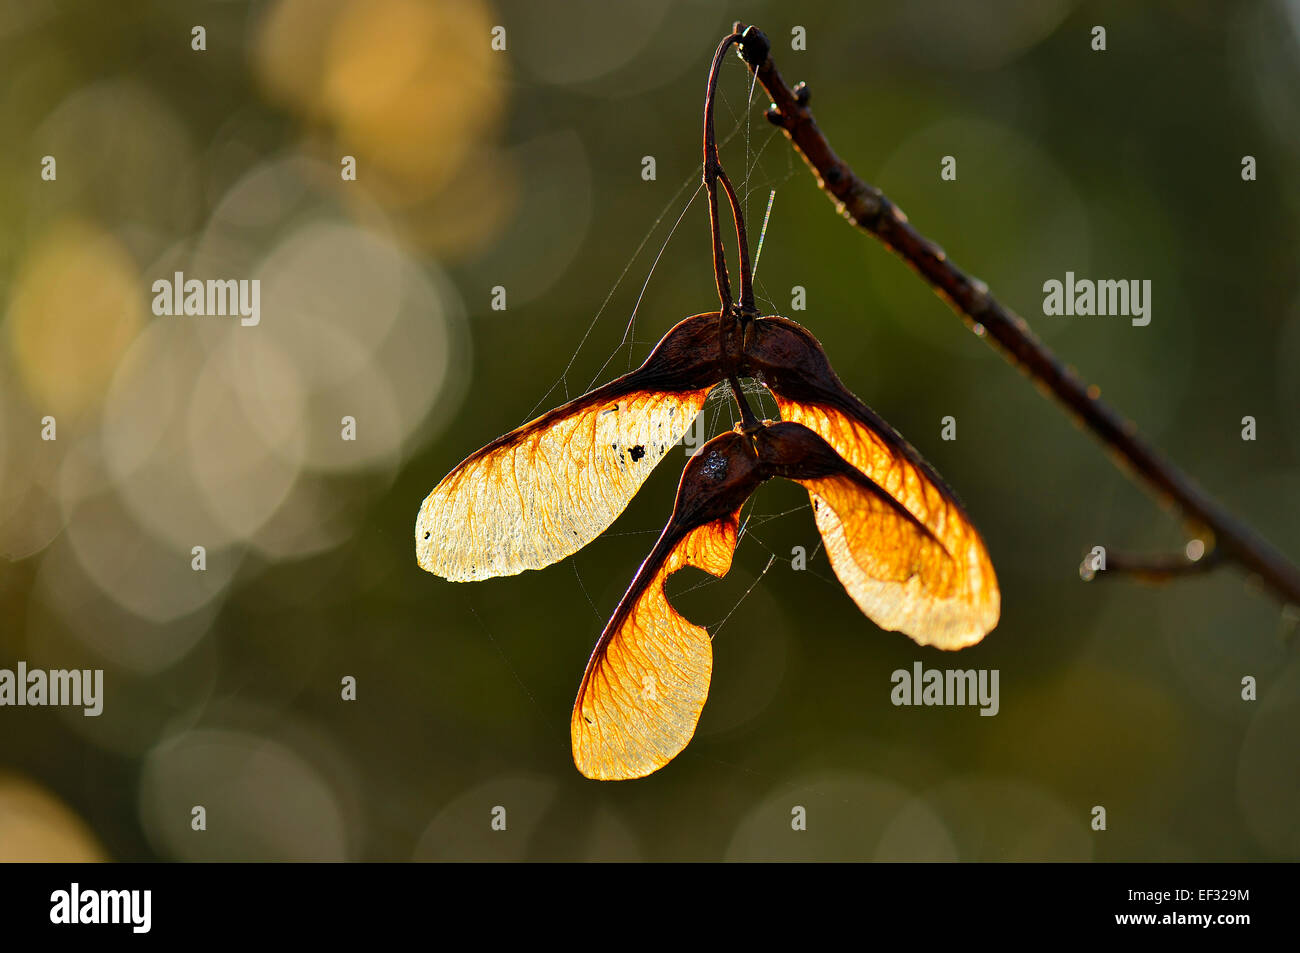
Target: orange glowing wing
646, 683
648, 677
543, 491
949, 596
948, 603
900, 574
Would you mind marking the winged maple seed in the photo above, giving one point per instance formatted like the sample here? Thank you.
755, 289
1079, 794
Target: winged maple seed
648, 677
896, 536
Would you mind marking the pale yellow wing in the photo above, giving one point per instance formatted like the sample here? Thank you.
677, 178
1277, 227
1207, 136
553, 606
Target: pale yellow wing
543, 491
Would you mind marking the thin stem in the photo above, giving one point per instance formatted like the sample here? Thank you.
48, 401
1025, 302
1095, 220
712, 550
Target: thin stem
748, 420
742, 242
711, 168
866, 207
713, 173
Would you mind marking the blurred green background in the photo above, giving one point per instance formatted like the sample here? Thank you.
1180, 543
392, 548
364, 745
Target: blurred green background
522, 169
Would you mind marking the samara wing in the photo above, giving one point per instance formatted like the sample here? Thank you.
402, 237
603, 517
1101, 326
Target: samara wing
648, 677
543, 491
953, 604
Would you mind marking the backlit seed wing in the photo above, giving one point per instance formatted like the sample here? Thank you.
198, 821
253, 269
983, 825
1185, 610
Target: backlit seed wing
546, 490
648, 676
953, 608
898, 573
542, 492
949, 602
646, 682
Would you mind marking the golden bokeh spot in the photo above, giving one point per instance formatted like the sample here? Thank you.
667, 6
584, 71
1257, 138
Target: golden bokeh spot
36, 827
77, 304
410, 87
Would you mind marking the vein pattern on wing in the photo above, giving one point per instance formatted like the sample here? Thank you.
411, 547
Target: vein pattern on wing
945, 608
648, 678
543, 491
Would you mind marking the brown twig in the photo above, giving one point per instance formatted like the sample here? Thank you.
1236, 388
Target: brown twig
871, 211
1154, 567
